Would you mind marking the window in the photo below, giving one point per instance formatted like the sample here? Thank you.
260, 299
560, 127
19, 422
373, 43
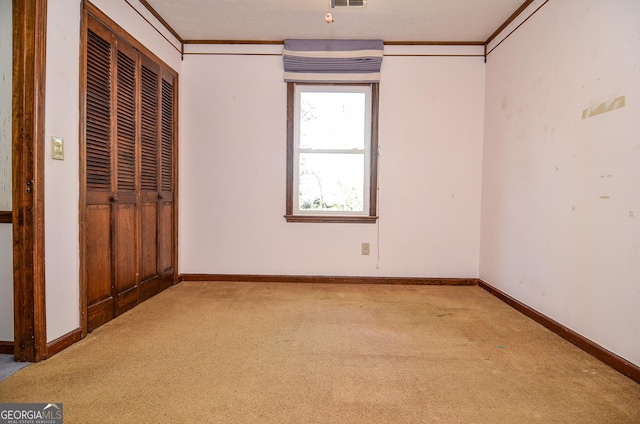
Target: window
332, 152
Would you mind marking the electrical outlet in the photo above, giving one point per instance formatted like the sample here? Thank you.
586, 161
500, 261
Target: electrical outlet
366, 248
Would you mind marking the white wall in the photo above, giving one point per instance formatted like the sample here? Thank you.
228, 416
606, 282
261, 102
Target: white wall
6, 283
6, 253
6, 53
62, 177
233, 157
559, 191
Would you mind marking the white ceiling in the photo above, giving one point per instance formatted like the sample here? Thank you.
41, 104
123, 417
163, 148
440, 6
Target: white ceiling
389, 20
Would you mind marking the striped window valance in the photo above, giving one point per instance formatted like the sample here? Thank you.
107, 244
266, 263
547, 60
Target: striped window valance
336, 61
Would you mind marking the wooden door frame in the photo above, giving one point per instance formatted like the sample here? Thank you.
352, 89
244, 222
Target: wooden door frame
28, 108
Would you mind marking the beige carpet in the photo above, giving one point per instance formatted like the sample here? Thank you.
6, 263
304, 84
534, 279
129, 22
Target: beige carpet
300, 353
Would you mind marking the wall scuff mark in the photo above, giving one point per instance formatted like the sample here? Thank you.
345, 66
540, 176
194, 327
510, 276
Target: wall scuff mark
604, 107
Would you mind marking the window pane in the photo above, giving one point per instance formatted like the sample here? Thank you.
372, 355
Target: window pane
332, 120
331, 182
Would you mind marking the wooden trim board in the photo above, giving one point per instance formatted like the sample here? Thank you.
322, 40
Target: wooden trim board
29, 57
6, 348
160, 19
5, 217
614, 361
329, 279
506, 23
63, 342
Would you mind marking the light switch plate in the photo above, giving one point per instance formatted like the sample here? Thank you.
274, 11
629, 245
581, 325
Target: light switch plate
57, 148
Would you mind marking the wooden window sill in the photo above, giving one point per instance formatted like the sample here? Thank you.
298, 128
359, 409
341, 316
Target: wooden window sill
332, 219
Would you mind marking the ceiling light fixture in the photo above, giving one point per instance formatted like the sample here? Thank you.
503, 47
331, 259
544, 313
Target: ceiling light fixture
328, 18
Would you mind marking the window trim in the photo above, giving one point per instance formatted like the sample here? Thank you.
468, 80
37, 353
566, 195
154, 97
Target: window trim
369, 218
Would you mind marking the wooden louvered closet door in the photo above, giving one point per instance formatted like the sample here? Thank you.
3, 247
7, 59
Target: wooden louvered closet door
100, 181
128, 220
125, 202
166, 229
149, 178
156, 179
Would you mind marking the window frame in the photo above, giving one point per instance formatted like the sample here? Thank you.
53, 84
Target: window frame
370, 214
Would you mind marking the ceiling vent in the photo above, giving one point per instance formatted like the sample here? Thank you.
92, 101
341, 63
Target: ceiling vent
348, 3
